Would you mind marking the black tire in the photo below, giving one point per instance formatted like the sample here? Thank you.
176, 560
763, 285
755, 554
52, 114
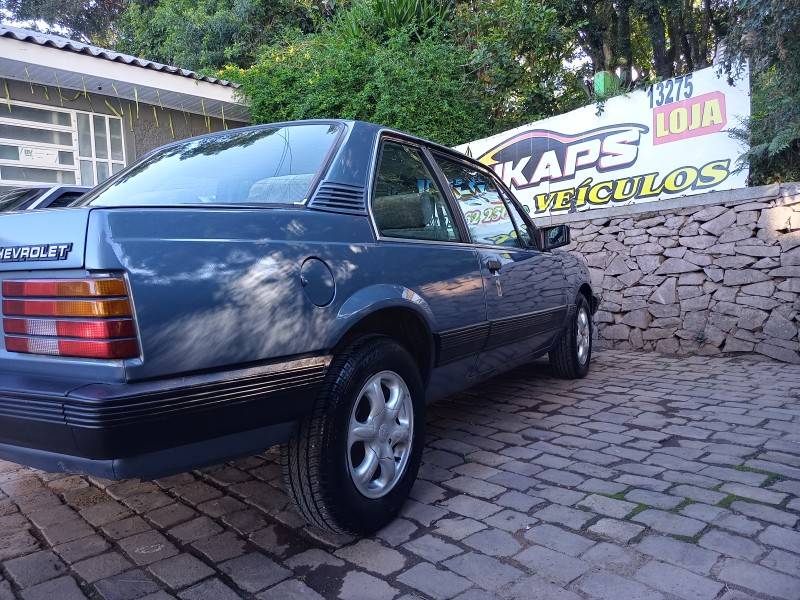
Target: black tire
564, 359
315, 460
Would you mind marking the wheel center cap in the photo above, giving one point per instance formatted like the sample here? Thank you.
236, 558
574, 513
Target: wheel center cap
383, 433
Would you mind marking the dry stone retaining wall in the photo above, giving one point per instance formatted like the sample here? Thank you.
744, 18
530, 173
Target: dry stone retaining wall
717, 274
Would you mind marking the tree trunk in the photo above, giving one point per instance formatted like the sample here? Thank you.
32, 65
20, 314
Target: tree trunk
655, 25
624, 48
675, 53
702, 59
689, 37
601, 28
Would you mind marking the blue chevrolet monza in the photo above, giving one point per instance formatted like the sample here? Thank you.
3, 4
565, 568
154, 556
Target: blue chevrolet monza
312, 284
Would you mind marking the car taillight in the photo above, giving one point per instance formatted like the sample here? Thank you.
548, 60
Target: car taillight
87, 318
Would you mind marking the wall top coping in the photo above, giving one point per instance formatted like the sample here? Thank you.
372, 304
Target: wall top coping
783, 193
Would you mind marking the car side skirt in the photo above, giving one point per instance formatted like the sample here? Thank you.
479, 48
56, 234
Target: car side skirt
455, 344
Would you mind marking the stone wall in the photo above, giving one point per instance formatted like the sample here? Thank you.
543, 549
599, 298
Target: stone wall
711, 274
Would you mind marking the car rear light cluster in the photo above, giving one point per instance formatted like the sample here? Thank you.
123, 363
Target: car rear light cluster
88, 318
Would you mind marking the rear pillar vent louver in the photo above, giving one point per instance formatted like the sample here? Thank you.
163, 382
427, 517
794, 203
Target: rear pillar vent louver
339, 197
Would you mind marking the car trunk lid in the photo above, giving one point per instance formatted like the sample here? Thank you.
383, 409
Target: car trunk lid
39, 240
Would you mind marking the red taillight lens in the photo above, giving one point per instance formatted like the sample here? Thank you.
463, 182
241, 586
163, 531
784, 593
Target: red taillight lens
61, 288
89, 318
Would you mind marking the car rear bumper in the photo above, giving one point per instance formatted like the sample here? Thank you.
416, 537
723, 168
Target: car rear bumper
153, 428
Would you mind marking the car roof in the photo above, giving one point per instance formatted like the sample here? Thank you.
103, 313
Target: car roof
367, 126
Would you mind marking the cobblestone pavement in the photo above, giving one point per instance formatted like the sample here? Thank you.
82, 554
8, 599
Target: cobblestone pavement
653, 478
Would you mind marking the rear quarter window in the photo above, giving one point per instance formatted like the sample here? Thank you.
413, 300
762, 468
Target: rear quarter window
18, 198
251, 166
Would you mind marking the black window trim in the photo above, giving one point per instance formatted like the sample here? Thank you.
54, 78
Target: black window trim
505, 196
533, 228
427, 159
54, 193
526, 217
510, 199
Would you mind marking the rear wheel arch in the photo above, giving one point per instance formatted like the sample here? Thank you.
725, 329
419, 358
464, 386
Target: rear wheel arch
567, 360
318, 461
586, 290
402, 324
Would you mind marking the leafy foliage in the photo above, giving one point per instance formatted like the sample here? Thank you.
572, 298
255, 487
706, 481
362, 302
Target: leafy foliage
205, 34
519, 49
417, 86
83, 20
419, 15
448, 72
764, 32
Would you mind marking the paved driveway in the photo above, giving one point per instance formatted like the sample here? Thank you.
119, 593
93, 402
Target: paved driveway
652, 478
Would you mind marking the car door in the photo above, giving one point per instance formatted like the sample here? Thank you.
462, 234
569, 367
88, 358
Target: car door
524, 286
422, 245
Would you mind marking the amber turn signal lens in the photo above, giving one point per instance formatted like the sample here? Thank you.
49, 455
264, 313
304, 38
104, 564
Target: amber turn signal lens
67, 308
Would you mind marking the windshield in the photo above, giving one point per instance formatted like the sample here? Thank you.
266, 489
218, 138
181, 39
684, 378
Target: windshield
18, 198
269, 165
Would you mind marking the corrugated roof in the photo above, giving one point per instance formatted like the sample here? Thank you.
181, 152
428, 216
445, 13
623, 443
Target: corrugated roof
62, 43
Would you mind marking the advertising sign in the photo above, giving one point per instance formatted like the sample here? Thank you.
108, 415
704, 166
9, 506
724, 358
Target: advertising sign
671, 139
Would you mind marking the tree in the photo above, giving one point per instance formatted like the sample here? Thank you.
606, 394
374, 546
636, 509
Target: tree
519, 49
84, 20
418, 85
659, 38
206, 34
447, 71
683, 32
764, 33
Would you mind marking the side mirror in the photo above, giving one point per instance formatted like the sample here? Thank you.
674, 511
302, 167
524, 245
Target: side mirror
554, 237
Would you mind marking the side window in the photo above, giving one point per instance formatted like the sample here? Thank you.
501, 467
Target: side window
480, 201
522, 226
407, 203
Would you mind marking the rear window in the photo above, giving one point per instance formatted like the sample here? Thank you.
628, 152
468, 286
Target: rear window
270, 165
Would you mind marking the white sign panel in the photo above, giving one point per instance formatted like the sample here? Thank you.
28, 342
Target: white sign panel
669, 140
38, 157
